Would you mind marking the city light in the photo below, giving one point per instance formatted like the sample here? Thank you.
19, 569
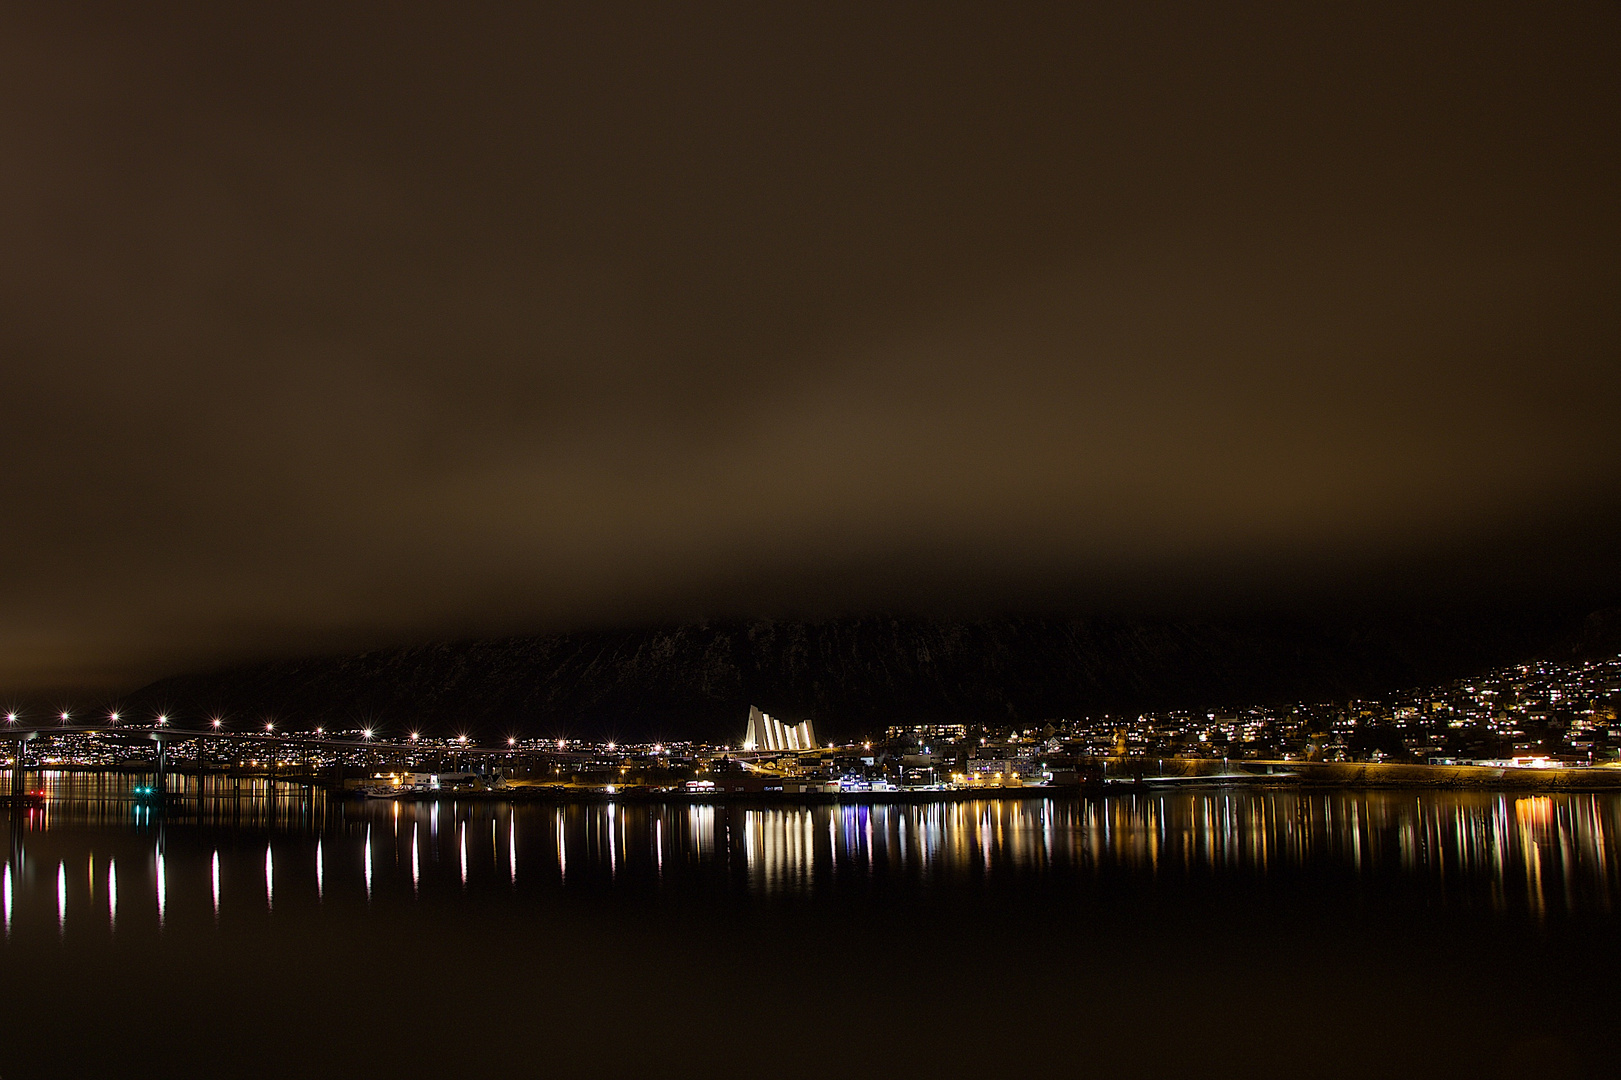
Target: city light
1545, 718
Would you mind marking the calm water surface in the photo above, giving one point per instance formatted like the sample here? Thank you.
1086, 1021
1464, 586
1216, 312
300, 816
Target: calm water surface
1212, 932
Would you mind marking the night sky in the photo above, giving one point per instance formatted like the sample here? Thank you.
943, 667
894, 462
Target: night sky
329, 325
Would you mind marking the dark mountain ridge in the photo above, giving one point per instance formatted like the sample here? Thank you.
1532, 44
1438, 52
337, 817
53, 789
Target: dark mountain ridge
853, 675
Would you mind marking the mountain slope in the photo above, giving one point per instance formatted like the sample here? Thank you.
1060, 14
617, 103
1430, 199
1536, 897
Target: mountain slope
847, 675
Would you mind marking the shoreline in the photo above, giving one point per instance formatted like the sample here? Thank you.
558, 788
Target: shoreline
1512, 786
1194, 774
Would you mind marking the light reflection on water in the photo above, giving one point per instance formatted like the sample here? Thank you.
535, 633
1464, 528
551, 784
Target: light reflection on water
1515, 854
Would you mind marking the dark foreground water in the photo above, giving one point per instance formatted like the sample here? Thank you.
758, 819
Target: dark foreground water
1208, 933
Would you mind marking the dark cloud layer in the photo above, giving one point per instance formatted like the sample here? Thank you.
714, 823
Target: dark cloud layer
327, 323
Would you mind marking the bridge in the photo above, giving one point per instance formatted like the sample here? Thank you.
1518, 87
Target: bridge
162, 734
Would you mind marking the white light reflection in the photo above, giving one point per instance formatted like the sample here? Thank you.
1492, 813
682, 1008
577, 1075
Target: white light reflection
112, 894
366, 860
216, 877
463, 832
416, 858
562, 848
61, 897
320, 872
270, 881
700, 827
5, 889
1047, 828
162, 887
512, 845
780, 848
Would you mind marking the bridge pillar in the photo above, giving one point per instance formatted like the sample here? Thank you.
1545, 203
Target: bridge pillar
19, 785
161, 782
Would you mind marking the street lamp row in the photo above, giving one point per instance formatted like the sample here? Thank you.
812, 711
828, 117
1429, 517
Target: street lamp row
217, 724
163, 720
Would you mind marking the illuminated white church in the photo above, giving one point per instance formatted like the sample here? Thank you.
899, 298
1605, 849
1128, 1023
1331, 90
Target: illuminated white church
766, 733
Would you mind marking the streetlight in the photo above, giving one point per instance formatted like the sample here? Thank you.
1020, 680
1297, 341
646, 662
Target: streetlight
113, 716
269, 727
64, 717
367, 733
11, 718
162, 719
216, 723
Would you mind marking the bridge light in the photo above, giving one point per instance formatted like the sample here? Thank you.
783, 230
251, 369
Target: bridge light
113, 716
367, 733
320, 731
414, 735
163, 718
64, 718
11, 718
461, 738
270, 727
216, 723
511, 741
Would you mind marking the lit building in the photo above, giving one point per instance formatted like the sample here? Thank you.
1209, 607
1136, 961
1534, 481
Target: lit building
766, 733
929, 732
